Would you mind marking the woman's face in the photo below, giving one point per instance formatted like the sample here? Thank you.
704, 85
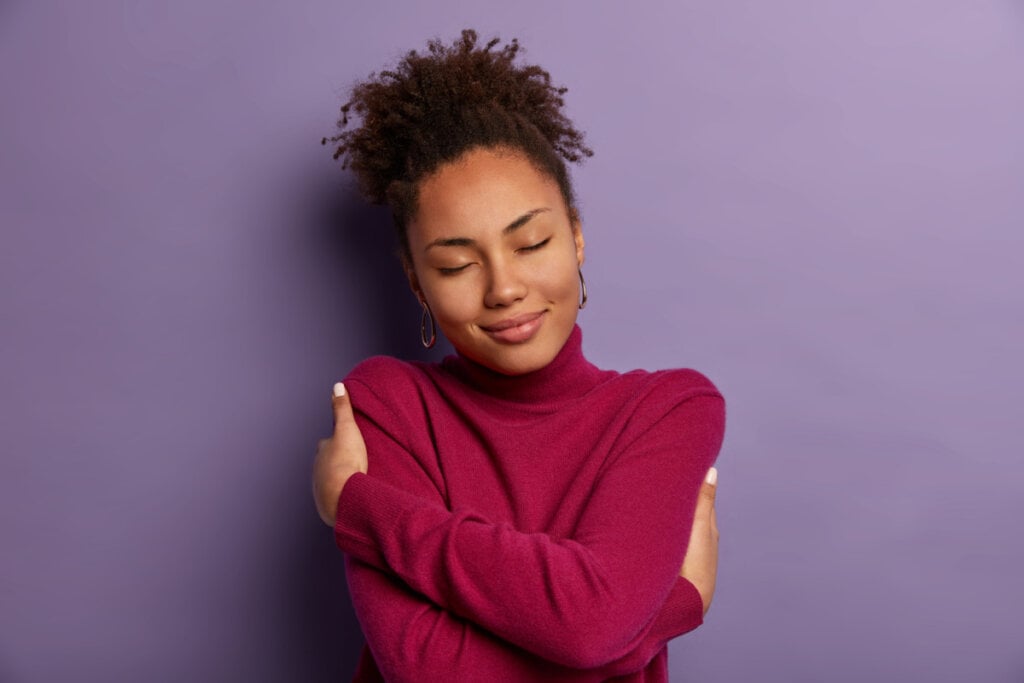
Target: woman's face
495, 255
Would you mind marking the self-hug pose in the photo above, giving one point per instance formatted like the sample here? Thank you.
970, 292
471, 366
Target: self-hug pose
512, 512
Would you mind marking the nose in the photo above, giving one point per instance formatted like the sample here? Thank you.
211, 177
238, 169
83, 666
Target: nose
505, 285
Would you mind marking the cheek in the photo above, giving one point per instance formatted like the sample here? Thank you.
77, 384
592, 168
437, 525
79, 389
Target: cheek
453, 302
562, 279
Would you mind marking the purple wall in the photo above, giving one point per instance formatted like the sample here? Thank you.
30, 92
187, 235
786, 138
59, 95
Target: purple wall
818, 204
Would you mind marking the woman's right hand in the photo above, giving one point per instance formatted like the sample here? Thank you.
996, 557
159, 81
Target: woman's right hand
338, 457
700, 566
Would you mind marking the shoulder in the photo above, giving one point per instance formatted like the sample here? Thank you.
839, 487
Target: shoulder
385, 374
669, 387
380, 368
383, 385
671, 397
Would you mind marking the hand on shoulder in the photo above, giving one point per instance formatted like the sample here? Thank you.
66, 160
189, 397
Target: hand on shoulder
337, 457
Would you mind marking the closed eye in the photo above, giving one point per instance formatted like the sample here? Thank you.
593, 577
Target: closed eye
535, 247
452, 271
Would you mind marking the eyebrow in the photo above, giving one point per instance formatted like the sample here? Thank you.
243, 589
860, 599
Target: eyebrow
507, 230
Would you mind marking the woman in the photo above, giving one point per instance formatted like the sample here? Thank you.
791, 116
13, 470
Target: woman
512, 512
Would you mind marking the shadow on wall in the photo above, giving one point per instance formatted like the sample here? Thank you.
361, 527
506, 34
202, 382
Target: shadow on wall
354, 247
360, 239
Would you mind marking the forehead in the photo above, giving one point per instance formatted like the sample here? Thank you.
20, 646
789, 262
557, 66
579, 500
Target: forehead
481, 191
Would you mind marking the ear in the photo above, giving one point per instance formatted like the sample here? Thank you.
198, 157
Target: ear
577, 235
410, 274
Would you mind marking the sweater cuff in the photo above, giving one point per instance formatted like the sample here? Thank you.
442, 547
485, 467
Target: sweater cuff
364, 508
682, 612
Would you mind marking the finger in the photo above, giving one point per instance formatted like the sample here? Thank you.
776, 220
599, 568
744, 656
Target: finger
712, 476
714, 522
710, 485
342, 405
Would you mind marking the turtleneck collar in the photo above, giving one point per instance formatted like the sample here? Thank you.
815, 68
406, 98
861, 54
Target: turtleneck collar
569, 375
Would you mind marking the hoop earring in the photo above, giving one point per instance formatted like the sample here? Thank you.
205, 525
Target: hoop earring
583, 286
427, 315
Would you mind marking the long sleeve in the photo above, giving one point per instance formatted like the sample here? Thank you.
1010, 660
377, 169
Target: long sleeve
582, 602
411, 639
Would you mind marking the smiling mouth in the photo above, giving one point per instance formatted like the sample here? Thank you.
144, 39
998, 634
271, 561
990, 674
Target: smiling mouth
516, 330
513, 322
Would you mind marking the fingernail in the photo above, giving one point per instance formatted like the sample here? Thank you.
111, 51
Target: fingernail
712, 476
339, 389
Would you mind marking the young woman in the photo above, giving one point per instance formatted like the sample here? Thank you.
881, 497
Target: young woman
512, 513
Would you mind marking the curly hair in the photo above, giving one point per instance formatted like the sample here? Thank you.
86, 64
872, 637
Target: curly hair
431, 108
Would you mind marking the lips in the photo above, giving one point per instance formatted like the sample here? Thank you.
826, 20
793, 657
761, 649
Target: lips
513, 322
515, 330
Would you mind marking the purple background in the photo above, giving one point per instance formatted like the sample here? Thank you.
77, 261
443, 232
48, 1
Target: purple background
818, 204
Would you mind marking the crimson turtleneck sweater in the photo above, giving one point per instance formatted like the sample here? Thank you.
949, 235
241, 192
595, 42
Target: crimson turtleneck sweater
528, 527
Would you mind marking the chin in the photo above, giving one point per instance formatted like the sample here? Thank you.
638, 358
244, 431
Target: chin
519, 369
503, 360
519, 361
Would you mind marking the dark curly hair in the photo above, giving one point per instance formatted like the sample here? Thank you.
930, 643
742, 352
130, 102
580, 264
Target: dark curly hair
431, 108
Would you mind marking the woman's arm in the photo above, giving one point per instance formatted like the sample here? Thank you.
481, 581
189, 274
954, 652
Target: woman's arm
412, 639
581, 602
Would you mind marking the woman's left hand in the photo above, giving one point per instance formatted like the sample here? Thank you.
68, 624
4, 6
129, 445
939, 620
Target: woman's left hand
338, 457
700, 566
